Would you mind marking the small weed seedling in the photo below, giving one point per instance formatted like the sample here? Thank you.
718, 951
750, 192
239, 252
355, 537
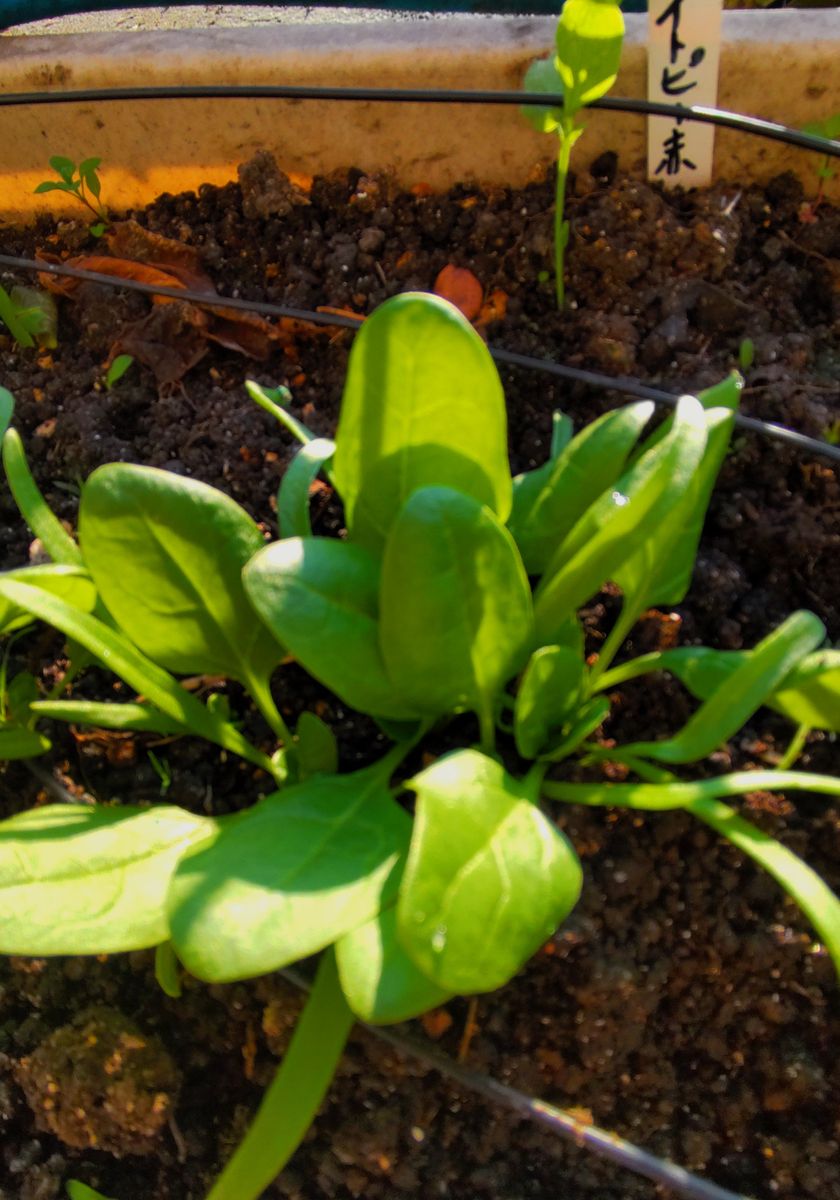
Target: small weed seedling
117, 369
30, 316
81, 181
589, 39
456, 591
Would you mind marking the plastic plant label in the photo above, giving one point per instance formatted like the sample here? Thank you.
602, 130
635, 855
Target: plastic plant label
683, 60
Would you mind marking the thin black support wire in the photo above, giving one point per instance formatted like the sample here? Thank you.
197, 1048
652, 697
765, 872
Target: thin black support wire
559, 1122
756, 126
629, 387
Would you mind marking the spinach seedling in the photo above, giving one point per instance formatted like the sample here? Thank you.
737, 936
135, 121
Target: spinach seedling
589, 38
455, 591
81, 181
117, 369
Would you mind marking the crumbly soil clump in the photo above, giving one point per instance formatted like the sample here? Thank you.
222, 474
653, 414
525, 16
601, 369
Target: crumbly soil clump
684, 1004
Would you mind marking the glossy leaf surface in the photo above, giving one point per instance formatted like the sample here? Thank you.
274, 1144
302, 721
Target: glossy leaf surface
589, 38
422, 406
549, 501
34, 509
488, 878
320, 596
293, 496
85, 879
455, 606
72, 584
380, 981
166, 554
550, 690
288, 877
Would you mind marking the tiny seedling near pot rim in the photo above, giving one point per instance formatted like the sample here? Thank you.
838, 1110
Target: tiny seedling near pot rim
456, 591
589, 38
82, 182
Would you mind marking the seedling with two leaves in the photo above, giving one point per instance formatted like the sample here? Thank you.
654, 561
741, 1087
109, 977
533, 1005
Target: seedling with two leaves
455, 591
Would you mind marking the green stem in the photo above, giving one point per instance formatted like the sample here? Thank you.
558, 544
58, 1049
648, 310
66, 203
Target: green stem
612, 645
661, 796
295, 1094
260, 689
561, 228
797, 745
642, 665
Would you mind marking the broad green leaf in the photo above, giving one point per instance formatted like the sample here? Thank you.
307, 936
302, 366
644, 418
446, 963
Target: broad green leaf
423, 406
7, 408
543, 76
548, 502
38, 311
293, 496
51, 186
620, 521
33, 507
488, 878
17, 742
550, 690
381, 983
660, 571
801, 882
319, 596
738, 697
166, 554
141, 718
15, 321
317, 749
121, 657
85, 879
72, 584
589, 38
455, 607
289, 876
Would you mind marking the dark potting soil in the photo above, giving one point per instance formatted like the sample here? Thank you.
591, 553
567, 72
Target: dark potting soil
684, 1004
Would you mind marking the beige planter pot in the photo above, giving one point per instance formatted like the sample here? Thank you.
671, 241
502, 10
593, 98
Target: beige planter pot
780, 65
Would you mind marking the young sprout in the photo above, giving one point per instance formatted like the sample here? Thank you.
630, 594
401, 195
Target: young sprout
589, 39
81, 181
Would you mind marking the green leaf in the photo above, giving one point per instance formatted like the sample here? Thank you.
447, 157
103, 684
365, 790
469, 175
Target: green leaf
583, 724
287, 877
488, 878
317, 749
166, 554
801, 882
33, 507
319, 596
81, 1191
455, 606
37, 309
7, 408
620, 521
381, 983
65, 167
543, 76
87, 171
118, 367
293, 496
16, 742
423, 406
72, 584
660, 571
167, 972
14, 320
548, 502
141, 718
589, 39
121, 657
85, 879
52, 186
550, 691
730, 705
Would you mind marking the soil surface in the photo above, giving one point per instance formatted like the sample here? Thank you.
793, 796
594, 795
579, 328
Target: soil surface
684, 1004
